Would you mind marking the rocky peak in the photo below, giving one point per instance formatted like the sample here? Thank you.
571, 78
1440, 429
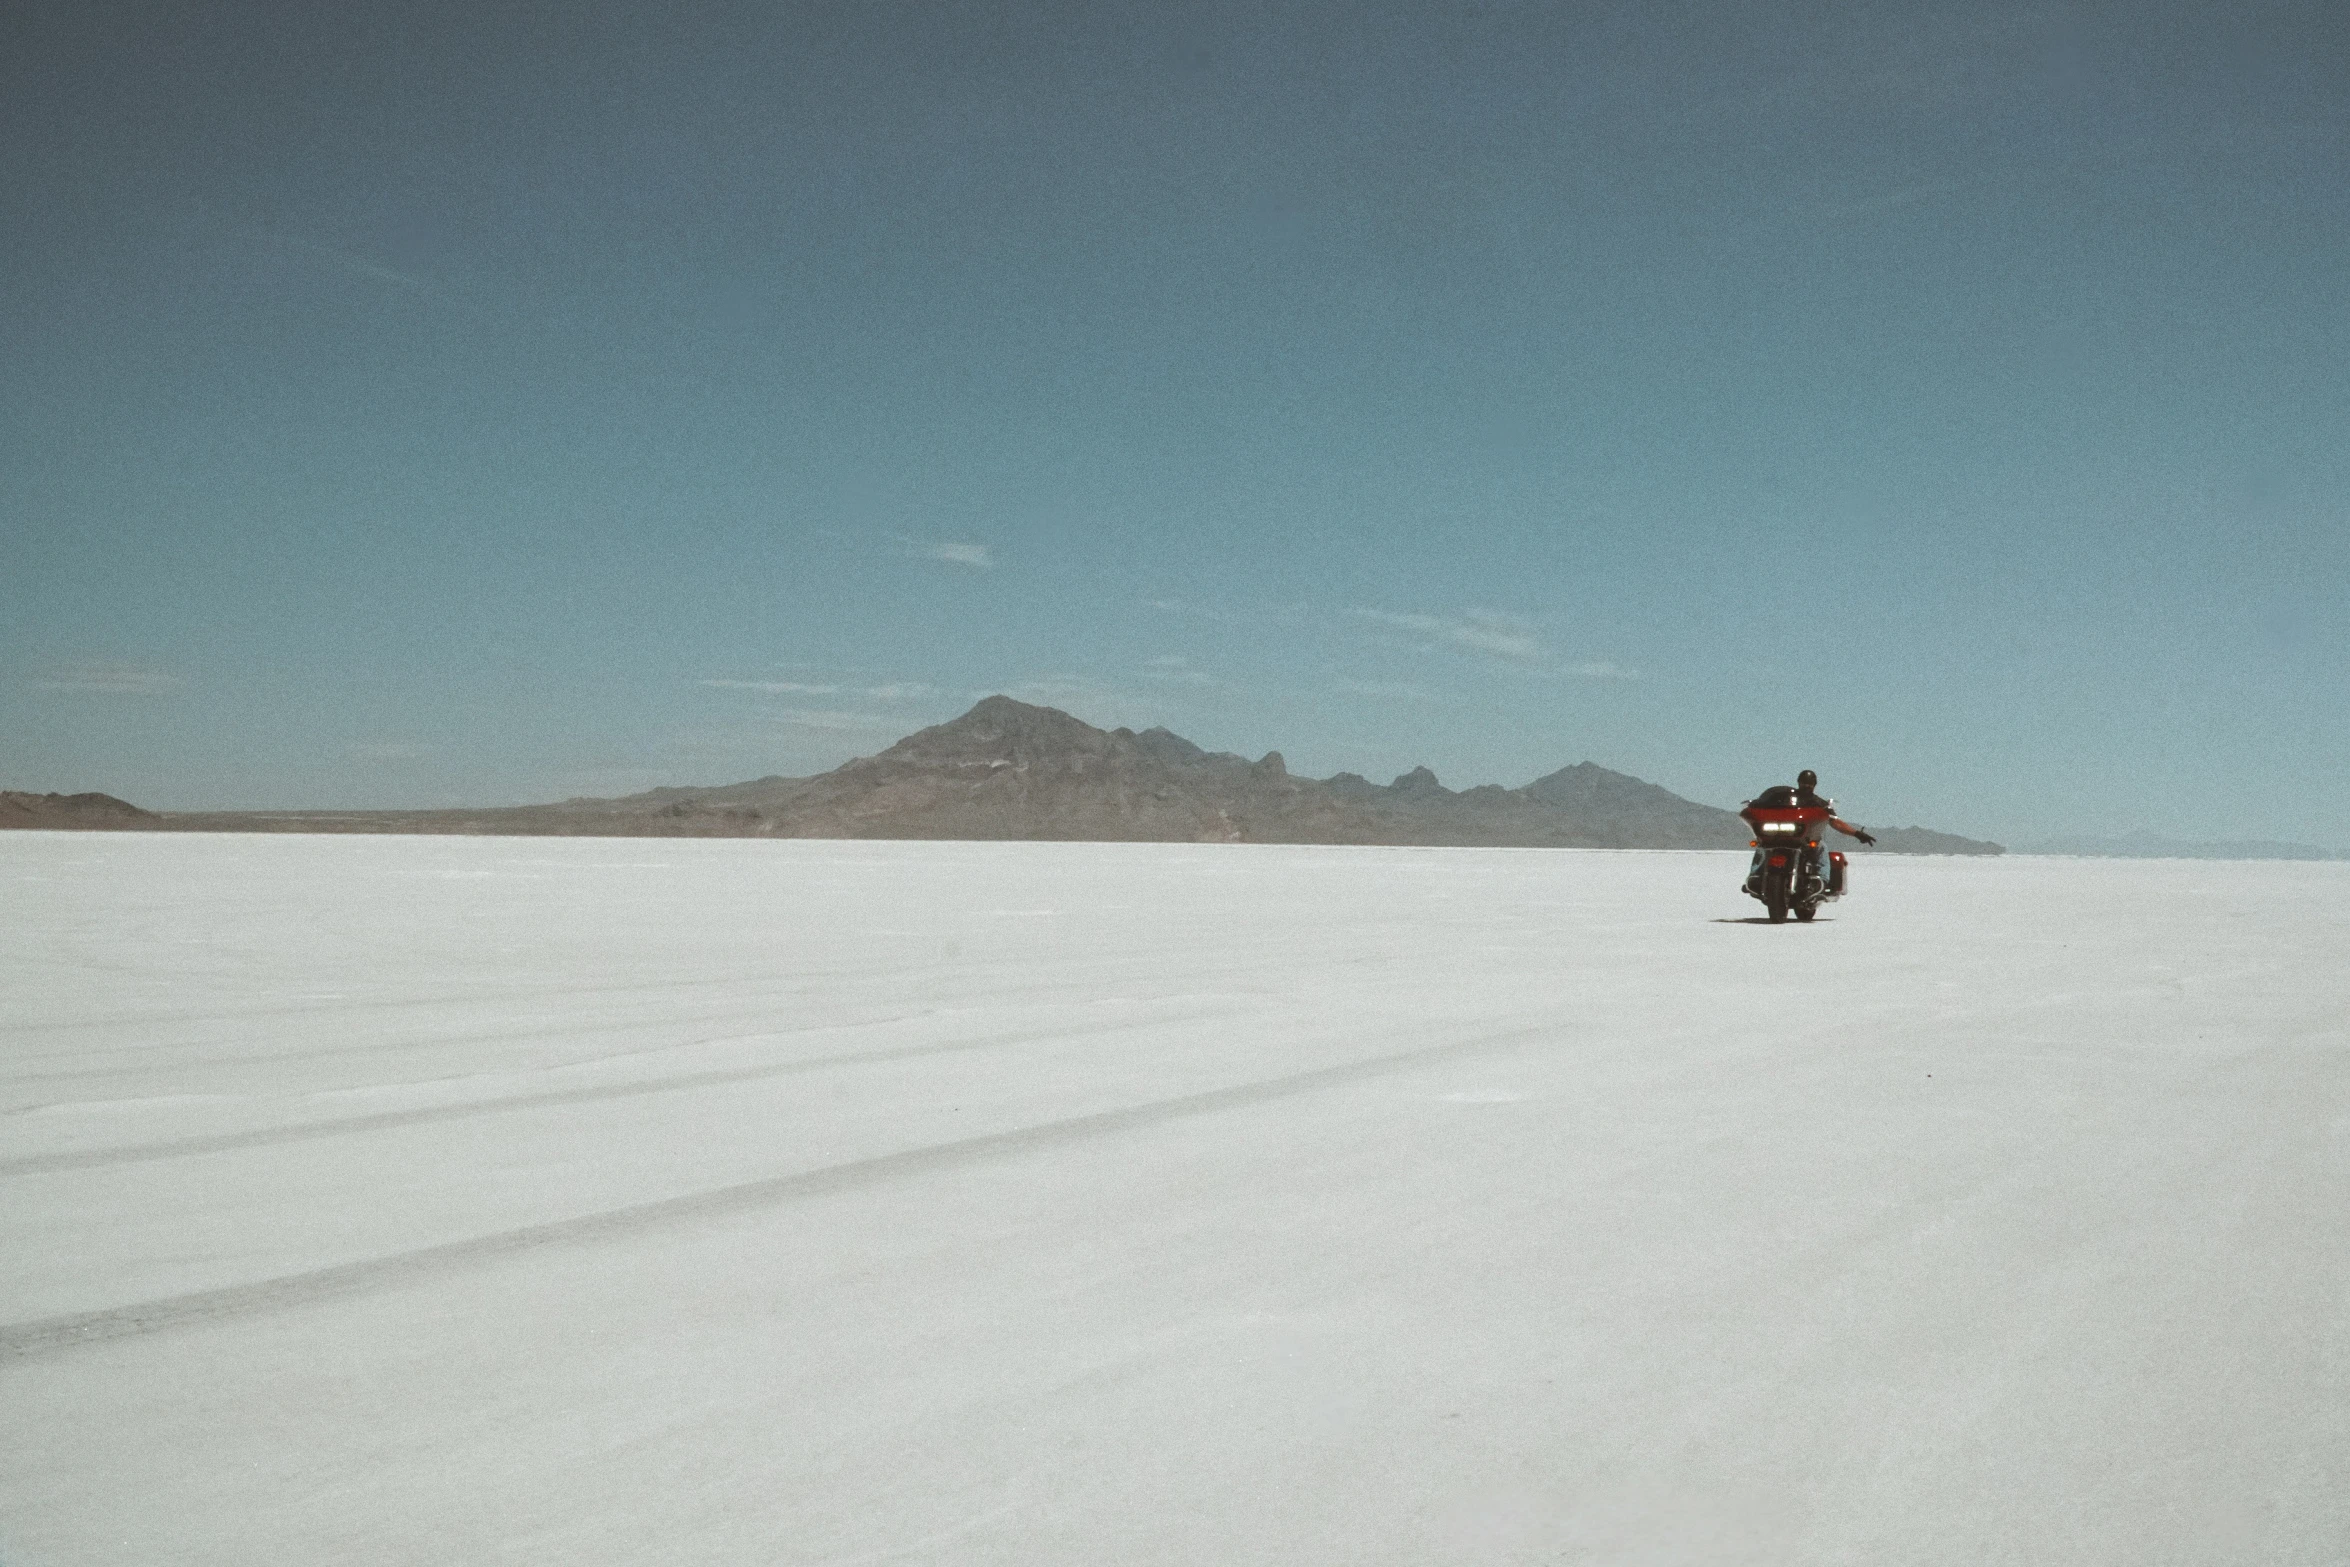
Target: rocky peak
1585, 782
999, 729
21, 809
1169, 747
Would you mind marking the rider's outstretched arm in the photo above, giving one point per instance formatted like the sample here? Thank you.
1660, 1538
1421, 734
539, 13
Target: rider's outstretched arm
1850, 831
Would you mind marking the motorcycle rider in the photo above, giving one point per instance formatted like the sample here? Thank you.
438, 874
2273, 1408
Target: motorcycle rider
1807, 793
1767, 878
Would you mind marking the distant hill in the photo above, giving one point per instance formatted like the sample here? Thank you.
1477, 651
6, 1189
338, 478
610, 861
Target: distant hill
2147, 846
1010, 770
1007, 769
1923, 840
18, 809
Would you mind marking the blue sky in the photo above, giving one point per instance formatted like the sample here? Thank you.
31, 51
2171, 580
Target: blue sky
438, 404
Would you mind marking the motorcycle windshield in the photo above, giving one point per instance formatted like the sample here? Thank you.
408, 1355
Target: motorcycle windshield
1785, 824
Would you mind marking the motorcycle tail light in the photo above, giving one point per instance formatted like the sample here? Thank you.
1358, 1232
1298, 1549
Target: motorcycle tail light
1778, 859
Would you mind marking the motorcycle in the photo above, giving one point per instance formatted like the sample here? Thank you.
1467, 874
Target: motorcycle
1787, 875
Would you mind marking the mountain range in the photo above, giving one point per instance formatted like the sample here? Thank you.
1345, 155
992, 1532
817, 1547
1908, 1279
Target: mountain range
2151, 846
19, 809
1010, 770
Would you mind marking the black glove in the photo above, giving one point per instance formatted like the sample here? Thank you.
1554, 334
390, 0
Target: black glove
1868, 838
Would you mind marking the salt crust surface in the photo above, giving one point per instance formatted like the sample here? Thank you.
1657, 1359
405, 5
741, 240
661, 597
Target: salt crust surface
822, 1202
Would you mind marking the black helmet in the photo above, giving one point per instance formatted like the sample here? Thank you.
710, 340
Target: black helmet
1807, 779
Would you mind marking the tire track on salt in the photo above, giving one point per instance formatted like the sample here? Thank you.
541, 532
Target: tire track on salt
50, 1335
306, 1131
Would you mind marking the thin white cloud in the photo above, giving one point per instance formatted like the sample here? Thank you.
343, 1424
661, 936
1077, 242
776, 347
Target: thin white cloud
1919, 192
828, 719
376, 271
973, 555
1196, 611
703, 742
1063, 690
1175, 671
359, 265
1390, 690
889, 691
111, 680
773, 687
1486, 631
1247, 615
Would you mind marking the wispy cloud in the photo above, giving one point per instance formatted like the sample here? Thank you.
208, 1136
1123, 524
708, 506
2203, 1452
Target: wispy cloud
972, 555
772, 687
1509, 639
706, 742
1486, 631
111, 680
1174, 671
1247, 615
376, 271
825, 718
1195, 611
1061, 690
829, 719
889, 691
1912, 194
355, 264
1918, 192
1390, 690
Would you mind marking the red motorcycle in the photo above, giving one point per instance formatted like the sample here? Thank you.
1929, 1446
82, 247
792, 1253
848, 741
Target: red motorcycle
1787, 875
